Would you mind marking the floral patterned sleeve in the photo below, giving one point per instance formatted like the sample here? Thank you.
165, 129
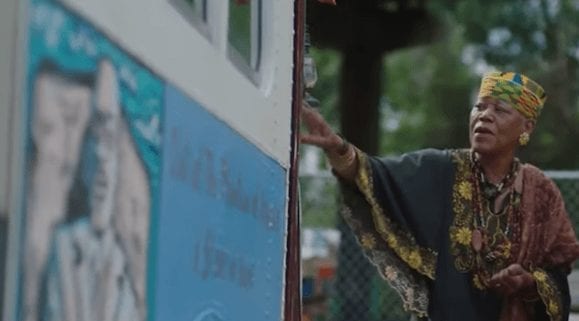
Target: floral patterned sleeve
395, 211
553, 302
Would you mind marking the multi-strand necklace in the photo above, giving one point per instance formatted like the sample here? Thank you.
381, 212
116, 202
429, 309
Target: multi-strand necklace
493, 225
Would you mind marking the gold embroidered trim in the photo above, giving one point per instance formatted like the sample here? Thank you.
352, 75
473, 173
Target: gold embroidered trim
461, 228
549, 294
421, 259
482, 266
410, 286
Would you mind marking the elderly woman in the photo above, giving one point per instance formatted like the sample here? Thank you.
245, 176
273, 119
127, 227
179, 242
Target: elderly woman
468, 234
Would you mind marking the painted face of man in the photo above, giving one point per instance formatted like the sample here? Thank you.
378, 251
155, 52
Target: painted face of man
105, 129
132, 212
61, 112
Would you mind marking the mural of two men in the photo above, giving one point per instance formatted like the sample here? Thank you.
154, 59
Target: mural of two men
88, 202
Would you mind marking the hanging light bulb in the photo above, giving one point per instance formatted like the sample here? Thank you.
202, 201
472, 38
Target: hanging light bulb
310, 70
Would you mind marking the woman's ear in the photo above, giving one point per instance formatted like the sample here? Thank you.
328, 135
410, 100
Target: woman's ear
529, 125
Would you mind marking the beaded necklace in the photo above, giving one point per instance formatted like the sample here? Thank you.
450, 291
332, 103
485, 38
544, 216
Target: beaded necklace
492, 230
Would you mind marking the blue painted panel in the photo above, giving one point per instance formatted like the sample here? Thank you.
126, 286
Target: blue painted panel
221, 228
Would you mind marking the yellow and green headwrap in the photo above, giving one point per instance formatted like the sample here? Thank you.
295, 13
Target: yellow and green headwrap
519, 91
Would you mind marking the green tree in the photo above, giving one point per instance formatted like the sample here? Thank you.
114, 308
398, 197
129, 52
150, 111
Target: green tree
425, 90
538, 38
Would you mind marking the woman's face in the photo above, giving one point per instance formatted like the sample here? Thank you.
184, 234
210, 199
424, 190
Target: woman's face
495, 127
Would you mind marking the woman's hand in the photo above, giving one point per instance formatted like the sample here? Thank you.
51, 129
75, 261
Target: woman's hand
341, 155
511, 280
319, 133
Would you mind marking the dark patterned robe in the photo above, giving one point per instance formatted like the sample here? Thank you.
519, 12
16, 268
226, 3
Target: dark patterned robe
413, 217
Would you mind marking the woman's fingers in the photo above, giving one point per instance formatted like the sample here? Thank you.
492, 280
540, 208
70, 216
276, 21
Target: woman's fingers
319, 133
314, 121
511, 279
316, 140
515, 269
511, 270
499, 278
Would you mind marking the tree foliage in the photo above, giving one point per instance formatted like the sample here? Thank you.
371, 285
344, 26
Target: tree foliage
428, 90
538, 38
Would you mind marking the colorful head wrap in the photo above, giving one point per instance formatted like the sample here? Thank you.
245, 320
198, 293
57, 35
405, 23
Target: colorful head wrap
521, 92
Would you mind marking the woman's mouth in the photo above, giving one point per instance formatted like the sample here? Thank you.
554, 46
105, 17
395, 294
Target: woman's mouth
482, 131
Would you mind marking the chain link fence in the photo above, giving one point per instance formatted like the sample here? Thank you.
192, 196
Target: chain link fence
568, 183
339, 283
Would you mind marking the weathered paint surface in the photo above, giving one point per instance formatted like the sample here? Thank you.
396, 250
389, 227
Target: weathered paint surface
221, 227
139, 203
93, 151
157, 33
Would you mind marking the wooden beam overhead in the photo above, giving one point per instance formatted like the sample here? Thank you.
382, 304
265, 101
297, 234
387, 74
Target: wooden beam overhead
368, 26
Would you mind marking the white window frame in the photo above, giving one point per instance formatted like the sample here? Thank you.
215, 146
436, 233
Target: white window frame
253, 70
200, 22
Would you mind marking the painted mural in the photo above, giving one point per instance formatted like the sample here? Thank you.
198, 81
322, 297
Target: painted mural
139, 204
92, 173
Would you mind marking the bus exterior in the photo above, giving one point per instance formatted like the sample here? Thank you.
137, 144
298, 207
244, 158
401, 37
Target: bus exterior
148, 159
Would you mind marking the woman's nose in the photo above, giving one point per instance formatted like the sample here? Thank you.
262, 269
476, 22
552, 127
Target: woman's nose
487, 114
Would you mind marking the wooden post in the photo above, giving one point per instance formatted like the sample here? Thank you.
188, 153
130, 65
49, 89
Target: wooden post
292, 307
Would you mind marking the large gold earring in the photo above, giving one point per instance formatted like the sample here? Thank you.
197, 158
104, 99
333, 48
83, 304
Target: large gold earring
524, 139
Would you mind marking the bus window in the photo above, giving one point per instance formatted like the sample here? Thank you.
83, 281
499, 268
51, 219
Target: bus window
245, 34
195, 12
199, 8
